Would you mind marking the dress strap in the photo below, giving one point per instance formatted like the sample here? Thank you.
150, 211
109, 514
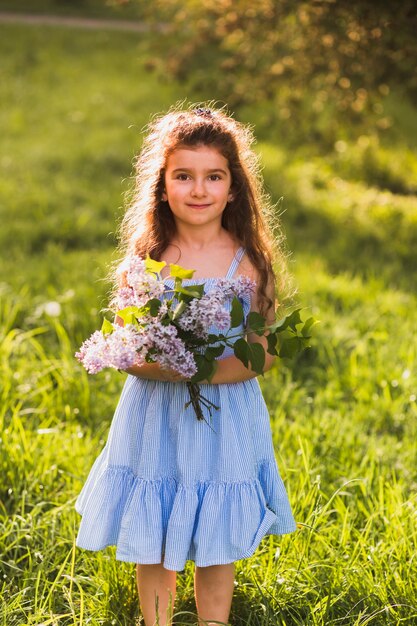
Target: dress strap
236, 260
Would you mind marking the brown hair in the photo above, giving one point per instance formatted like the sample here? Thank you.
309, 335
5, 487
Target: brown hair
148, 225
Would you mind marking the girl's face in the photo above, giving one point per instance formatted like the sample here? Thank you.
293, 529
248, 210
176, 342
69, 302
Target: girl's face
197, 185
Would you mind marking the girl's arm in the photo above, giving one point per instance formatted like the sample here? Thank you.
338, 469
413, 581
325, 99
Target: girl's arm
231, 369
153, 371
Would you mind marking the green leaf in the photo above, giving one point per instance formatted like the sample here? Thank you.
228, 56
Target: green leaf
250, 353
153, 266
241, 351
290, 347
289, 321
129, 314
107, 327
236, 313
213, 370
272, 342
213, 352
294, 319
308, 324
176, 271
256, 322
179, 310
256, 357
205, 368
154, 305
194, 291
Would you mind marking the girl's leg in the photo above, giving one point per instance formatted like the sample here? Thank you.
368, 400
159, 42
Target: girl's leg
213, 587
156, 582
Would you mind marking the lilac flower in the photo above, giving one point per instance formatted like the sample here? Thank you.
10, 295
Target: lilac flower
152, 338
136, 272
241, 286
125, 297
222, 319
184, 362
144, 283
163, 309
121, 349
245, 286
171, 350
124, 347
93, 353
208, 311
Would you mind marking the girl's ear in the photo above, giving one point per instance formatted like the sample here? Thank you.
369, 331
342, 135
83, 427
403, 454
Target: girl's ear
230, 197
164, 196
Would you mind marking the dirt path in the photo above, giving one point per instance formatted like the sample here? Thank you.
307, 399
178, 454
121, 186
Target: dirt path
74, 22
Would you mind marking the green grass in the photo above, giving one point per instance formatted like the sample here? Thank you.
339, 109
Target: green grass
349, 205
343, 416
111, 9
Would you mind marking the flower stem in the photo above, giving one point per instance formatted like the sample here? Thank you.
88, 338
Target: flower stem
197, 400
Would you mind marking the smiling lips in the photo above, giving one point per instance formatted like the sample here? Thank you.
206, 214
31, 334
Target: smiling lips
198, 206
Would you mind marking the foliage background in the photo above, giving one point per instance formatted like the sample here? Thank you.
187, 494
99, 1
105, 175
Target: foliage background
343, 417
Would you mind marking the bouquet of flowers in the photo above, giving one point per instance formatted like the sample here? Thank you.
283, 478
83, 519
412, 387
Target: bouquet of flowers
171, 326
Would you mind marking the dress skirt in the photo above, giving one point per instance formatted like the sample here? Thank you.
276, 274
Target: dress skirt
168, 487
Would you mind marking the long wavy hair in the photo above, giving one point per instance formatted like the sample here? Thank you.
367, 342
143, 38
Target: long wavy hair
148, 225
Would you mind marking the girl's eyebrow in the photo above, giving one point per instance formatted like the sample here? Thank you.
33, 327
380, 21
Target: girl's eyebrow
187, 169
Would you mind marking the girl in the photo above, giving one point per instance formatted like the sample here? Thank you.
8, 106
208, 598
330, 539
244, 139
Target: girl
167, 488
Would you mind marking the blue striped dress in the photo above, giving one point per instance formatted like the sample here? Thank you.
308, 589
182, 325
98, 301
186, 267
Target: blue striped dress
167, 487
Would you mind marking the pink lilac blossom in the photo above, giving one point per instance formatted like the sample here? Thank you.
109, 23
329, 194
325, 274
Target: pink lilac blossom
145, 284
242, 286
163, 309
171, 350
93, 353
124, 297
121, 349
126, 347
130, 344
208, 311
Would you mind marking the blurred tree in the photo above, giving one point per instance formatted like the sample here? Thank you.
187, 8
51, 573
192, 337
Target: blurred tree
345, 54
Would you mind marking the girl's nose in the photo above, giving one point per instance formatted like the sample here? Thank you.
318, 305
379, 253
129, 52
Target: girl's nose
198, 188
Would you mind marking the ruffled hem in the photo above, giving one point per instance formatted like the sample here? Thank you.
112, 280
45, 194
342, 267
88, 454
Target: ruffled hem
164, 521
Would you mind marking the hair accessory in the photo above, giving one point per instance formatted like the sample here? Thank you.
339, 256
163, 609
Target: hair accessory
203, 112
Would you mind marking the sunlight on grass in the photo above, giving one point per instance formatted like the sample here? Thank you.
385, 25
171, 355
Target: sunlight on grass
343, 415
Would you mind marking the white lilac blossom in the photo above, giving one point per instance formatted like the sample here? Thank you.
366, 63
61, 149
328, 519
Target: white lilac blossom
139, 285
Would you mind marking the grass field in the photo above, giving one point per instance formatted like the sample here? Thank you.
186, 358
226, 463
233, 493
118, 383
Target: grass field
343, 416
87, 8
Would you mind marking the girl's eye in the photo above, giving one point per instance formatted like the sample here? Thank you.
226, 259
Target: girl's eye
215, 177
182, 176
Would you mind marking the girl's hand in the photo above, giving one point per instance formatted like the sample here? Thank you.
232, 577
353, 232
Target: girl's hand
171, 375
153, 371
